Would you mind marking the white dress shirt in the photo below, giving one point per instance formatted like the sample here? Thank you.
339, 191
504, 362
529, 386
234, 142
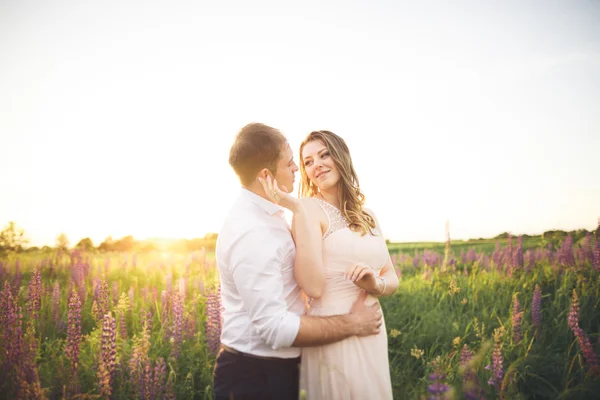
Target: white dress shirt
261, 301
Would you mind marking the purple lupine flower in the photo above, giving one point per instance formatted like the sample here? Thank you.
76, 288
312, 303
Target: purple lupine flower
471, 387
11, 327
584, 342
148, 320
471, 256
56, 303
213, 321
177, 325
497, 256
497, 367
146, 387
108, 355
416, 260
508, 254
517, 315
16, 284
160, 373
588, 352
131, 297
169, 283
596, 254
115, 292
34, 296
530, 257
190, 326
182, 287
518, 260
73, 338
102, 300
154, 294
574, 312
437, 388
122, 325
565, 254
536, 308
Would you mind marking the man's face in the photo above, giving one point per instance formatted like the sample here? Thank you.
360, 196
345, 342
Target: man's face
286, 170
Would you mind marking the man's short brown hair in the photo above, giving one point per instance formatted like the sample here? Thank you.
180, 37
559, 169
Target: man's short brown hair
256, 146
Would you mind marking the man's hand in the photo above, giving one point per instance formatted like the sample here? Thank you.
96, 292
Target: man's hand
279, 195
367, 319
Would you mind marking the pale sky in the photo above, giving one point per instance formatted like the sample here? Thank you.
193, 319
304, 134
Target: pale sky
116, 117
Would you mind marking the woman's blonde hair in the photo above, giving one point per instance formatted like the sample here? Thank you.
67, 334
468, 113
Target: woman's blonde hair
351, 199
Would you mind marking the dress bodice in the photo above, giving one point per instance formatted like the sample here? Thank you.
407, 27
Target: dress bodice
343, 248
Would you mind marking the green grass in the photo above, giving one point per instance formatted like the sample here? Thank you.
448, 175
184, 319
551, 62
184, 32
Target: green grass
428, 316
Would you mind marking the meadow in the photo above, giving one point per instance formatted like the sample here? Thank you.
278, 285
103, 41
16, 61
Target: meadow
514, 318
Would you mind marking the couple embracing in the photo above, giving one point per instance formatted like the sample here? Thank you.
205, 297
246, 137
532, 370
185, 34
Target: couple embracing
300, 307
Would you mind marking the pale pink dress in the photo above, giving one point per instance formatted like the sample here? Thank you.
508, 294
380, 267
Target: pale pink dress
358, 367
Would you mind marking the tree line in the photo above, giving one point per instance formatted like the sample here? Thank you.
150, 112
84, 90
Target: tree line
13, 239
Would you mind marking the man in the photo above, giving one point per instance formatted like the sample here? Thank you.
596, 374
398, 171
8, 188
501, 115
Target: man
263, 322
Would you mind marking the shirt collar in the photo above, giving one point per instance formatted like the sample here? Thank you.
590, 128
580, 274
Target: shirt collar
268, 206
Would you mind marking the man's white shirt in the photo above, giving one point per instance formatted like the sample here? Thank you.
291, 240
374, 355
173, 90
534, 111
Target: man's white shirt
262, 303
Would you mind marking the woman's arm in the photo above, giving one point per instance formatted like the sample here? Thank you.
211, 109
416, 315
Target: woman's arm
309, 271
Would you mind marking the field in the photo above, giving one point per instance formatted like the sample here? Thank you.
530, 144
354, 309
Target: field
515, 319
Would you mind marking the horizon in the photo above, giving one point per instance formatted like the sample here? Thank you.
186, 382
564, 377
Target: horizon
72, 242
117, 120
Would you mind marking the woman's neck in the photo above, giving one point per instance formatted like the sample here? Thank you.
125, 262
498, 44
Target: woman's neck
330, 196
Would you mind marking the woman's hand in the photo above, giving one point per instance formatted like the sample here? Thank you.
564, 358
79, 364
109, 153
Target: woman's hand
279, 195
364, 277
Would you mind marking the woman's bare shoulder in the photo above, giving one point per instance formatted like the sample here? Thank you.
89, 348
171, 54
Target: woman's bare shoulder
313, 208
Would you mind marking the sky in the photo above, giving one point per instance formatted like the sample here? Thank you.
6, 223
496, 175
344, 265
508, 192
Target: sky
116, 117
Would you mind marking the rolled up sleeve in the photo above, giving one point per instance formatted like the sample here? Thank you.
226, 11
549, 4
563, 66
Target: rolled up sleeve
256, 272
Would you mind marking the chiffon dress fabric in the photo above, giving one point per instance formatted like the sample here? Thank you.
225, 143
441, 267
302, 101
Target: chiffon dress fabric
356, 368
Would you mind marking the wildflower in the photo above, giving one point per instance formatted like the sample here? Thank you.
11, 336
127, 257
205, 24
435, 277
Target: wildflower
453, 288
536, 306
497, 359
456, 341
177, 327
464, 301
108, 355
213, 320
416, 352
395, 333
437, 388
73, 336
517, 315
583, 340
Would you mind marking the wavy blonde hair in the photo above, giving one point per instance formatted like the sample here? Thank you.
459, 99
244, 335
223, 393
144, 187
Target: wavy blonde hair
351, 199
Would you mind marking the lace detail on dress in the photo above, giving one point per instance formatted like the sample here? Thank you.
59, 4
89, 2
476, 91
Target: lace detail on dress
337, 221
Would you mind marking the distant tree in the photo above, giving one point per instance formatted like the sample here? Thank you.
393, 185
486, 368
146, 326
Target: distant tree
502, 236
107, 245
124, 244
210, 241
62, 242
12, 238
85, 244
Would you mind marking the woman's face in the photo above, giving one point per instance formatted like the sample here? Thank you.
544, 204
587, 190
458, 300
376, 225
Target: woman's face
319, 165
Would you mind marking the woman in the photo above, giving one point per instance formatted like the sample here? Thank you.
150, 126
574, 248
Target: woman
340, 251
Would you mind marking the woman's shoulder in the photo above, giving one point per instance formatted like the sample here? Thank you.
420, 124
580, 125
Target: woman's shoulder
312, 206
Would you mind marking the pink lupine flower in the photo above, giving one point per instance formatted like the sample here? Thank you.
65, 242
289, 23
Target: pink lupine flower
73, 337
517, 315
536, 307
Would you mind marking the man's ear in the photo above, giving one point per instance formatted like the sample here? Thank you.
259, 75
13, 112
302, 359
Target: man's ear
264, 173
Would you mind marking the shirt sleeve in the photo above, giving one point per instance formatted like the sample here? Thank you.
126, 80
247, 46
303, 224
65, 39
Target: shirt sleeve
256, 270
